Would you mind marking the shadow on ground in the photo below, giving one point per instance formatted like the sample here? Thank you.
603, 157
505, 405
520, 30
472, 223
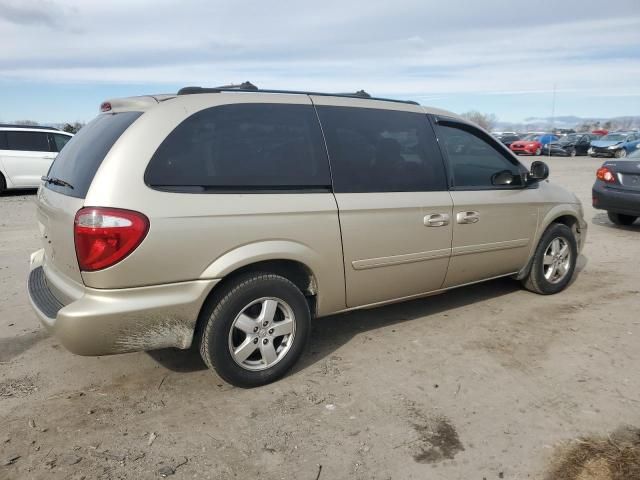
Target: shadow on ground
603, 220
330, 333
19, 192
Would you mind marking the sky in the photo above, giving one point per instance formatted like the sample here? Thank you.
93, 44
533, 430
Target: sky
61, 58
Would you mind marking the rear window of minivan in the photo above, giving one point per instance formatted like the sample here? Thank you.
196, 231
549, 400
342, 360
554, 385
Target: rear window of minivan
80, 158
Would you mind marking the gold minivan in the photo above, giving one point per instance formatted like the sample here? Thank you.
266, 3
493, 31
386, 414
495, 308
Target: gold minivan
232, 216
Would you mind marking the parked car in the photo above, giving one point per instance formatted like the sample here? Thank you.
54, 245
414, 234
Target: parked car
617, 189
508, 138
224, 217
616, 144
570, 145
531, 144
26, 153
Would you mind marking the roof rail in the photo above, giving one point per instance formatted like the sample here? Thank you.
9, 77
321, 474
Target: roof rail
42, 127
250, 87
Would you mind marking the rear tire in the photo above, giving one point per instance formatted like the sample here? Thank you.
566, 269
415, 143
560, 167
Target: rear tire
552, 268
621, 219
247, 354
3, 184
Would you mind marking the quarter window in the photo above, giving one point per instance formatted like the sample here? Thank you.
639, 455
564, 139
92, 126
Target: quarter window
27, 141
381, 150
59, 141
243, 146
473, 158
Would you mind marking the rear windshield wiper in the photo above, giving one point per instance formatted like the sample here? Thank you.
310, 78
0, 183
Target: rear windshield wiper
57, 181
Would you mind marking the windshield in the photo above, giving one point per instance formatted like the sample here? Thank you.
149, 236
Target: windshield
532, 136
568, 139
618, 137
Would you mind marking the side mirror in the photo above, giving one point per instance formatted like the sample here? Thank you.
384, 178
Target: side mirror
505, 177
539, 171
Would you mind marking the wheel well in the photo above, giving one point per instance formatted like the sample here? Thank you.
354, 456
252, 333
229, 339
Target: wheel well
296, 272
571, 222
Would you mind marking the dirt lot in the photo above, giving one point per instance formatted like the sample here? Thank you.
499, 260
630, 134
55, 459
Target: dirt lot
484, 382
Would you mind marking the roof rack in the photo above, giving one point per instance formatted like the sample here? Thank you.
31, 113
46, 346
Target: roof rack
42, 127
250, 87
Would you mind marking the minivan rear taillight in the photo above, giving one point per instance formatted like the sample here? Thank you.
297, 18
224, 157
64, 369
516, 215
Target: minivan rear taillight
104, 236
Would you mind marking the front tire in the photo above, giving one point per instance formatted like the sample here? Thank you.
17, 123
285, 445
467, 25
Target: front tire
538, 152
254, 329
621, 219
554, 261
573, 152
3, 184
621, 153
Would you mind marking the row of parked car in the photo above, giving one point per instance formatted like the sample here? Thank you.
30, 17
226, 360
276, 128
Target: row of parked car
595, 144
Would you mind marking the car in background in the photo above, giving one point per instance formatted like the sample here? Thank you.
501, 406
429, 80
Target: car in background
615, 144
532, 144
507, 138
570, 145
617, 189
26, 153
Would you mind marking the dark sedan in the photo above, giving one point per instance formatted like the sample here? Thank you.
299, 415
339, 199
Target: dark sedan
570, 145
617, 189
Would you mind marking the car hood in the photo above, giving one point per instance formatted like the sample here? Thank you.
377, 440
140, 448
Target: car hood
605, 143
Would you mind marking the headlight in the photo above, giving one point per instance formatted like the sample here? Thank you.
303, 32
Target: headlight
590, 150
613, 147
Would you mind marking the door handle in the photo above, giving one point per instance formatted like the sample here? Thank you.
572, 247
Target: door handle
436, 220
467, 217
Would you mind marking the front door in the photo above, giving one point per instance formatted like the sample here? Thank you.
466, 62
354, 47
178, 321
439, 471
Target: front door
394, 207
494, 218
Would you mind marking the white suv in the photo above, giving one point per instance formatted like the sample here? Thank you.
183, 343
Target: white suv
26, 153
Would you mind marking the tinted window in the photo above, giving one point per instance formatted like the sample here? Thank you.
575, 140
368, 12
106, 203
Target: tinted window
243, 146
3, 141
59, 140
78, 162
473, 157
27, 141
381, 150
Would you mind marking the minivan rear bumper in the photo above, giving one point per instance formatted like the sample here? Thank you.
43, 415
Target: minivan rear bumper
106, 321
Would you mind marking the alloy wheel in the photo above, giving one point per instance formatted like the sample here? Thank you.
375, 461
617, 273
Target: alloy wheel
262, 333
557, 260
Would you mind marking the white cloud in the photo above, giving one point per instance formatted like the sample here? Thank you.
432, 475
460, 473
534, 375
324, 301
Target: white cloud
406, 47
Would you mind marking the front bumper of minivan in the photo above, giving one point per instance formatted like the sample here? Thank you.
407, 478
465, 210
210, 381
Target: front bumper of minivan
106, 321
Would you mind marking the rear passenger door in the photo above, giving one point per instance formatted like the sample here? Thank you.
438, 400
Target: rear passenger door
394, 208
493, 224
27, 158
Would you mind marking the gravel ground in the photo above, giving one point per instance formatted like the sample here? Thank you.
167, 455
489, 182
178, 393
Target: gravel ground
480, 383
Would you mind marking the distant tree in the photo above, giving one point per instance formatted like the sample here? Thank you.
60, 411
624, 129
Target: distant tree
585, 127
623, 123
26, 122
72, 127
608, 125
484, 120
